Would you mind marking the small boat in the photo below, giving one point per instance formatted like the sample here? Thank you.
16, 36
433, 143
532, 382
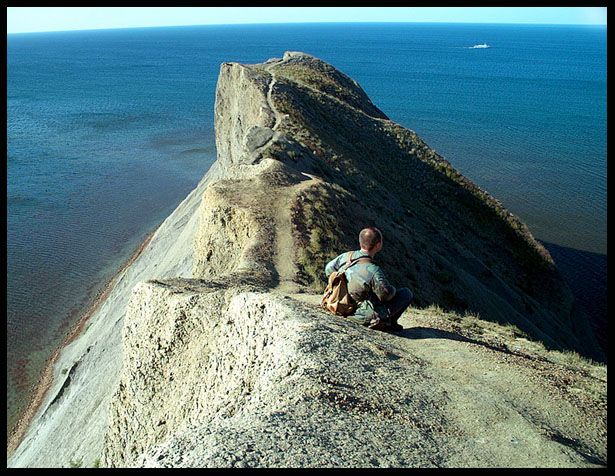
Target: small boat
484, 45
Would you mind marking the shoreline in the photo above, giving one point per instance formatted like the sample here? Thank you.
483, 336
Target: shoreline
41, 388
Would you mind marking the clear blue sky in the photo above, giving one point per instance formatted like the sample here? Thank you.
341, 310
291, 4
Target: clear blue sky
30, 19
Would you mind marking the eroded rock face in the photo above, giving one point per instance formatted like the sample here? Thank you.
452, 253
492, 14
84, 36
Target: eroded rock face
221, 246
241, 104
226, 365
193, 353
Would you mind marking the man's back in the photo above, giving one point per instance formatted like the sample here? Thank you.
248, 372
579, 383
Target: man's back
364, 278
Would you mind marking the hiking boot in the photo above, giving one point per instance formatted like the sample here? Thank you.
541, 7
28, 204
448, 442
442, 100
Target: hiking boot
395, 327
377, 324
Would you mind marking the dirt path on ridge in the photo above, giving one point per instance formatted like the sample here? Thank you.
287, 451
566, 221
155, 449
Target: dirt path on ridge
285, 257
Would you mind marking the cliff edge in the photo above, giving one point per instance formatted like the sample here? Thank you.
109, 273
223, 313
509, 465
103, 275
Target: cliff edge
211, 350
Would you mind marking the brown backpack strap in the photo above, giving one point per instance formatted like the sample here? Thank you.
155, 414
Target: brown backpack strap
350, 263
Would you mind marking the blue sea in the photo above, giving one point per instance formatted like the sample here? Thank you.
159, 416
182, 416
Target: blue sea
108, 130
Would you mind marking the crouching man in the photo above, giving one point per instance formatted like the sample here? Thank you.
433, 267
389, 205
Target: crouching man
379, 304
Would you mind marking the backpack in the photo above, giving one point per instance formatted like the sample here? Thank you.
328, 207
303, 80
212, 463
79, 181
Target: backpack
336, 297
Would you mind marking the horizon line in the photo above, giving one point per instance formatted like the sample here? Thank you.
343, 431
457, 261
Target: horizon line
304, 23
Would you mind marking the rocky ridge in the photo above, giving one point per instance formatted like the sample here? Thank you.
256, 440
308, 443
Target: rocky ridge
235, 365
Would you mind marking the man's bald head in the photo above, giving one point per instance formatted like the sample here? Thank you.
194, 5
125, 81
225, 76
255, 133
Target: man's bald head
369, 238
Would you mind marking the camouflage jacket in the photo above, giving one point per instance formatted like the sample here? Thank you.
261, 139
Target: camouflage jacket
367, 285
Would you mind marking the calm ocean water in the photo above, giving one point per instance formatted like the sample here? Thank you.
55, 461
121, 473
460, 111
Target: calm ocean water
108, 130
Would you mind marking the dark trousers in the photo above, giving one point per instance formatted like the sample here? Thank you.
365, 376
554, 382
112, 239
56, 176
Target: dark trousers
398, 304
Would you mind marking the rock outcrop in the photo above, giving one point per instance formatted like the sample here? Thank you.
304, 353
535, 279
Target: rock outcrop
219, 376
226, 359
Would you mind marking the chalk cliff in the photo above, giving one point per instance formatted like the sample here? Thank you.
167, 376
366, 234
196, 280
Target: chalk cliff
212, 351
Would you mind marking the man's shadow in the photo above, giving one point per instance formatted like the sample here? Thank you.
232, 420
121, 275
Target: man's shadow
431, 333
